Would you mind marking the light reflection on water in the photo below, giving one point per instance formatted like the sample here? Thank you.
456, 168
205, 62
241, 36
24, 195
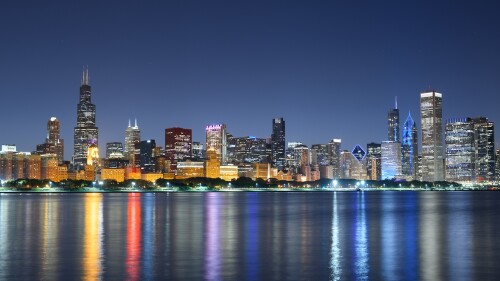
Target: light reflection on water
251, 236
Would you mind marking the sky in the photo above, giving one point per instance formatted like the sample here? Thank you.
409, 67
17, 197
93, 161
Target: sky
331, 69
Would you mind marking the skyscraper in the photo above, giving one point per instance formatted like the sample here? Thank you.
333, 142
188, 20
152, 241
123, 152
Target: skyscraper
147, 152
86, 132
115, 148
484, 143
460, 151
431, 115
216, 140
53, 143
393, 123
373, 161
334, 156
132, 137
391, 159
278, 156
178, 143
409, 149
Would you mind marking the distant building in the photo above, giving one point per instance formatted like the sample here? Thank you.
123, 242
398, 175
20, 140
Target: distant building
484, 143
391, 159
228, 172
177, 145
409, 149
216, 140
373, 161
86, 132
247, 150
132, 137
278, 144
334, 150
190, 169
197, 151
460, 150
351, 166
212, 164
319, 155
431, 113
147, 156
393, 124
115, 148
53, 143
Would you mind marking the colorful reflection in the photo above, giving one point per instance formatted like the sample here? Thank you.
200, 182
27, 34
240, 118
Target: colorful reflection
430, 246
361, 242
133, 236
335, 252
212, 244
148, 235
92, 239
389, 238
49, 238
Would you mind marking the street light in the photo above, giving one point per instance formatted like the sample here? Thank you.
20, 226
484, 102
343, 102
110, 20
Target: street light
335, 182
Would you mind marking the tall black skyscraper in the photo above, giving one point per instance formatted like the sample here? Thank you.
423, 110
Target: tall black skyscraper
147, 150
86, 132
393, 123
278, 144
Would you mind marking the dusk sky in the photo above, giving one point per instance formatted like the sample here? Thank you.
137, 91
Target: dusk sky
331, 69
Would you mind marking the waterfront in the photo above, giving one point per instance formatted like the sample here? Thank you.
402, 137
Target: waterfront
250, 236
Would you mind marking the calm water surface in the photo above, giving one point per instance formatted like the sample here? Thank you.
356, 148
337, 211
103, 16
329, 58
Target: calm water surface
251, 236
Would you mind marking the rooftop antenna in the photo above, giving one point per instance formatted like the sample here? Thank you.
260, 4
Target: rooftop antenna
135, 123
396, 102
129, 123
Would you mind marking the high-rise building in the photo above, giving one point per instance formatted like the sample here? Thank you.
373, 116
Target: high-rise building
115, 148
358, 152
132, 137
86, 132
393, 123
460, 151
212, 164
197, 151
53, 143
431, 115
409, 149
319, 155
373, 161
178, 143
351, 167
216, 139
334, 156
147, 149
497, 165
391, 159
278, 156
247, 150
484, 143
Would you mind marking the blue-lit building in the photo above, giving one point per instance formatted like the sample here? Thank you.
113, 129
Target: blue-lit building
391, 160
409, 149
460, 150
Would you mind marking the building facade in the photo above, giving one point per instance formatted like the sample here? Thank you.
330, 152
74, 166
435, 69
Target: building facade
278, 153
85, 132
178, 142
216, 140
391, 159
132, 137
409, 149
431, 115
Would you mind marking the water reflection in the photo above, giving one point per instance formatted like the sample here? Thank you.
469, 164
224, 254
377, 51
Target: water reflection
250, 236
429, 236
133, 236
212, 244
335, 253
92, 246
361, 242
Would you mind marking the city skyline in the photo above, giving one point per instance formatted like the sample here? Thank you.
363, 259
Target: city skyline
311, 64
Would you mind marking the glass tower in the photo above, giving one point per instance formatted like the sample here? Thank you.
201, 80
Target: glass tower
86, 132
278, 157
431, 115
409, 149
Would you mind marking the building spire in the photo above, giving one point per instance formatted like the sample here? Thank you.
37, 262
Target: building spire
87, 76
129, 123
83, 75
135, 125
395, 99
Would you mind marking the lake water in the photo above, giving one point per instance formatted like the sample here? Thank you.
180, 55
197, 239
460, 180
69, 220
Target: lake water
251, 236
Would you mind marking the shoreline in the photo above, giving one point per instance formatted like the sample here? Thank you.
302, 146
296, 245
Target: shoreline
94, 190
